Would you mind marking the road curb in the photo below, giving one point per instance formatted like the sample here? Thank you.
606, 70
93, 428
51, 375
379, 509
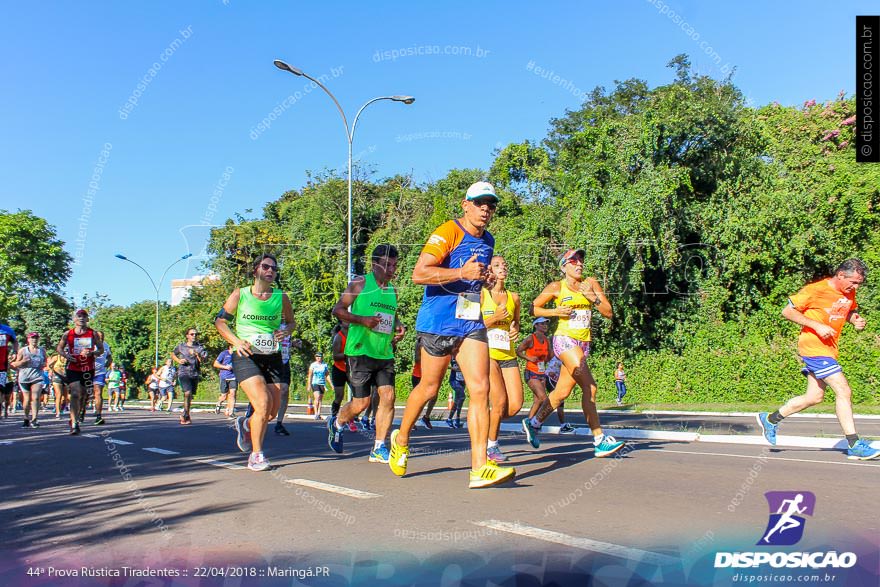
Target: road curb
639, 434
670, 435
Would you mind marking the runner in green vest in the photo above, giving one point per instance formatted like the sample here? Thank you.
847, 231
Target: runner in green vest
263, 318
369, 306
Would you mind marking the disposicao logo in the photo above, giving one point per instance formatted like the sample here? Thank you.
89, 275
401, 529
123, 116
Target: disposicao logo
787, 508
786, 528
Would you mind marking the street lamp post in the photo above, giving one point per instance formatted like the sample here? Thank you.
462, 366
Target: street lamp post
156, 288
349, 136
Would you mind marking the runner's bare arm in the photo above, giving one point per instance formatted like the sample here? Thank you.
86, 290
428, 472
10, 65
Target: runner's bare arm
287, 313
222, 325
856, 320
19, 360
399, 331
62, 346
346, 300
550, 292
596, 295
338, 355
428, 271
523, 347
794, 315
515, 324
500, 312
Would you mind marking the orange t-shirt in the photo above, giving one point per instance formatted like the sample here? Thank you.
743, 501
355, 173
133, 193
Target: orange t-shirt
820, 302
341, 364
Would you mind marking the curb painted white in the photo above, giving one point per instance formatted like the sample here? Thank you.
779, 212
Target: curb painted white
640, 434
637, 434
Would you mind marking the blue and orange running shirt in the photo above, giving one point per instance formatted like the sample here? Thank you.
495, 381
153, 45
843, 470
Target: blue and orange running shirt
821, 302
453, 246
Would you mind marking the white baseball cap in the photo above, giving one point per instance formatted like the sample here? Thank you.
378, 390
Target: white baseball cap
481, 189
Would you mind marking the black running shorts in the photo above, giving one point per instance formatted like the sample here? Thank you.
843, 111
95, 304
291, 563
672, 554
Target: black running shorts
438, 345
269, 367
366, 372
338, 377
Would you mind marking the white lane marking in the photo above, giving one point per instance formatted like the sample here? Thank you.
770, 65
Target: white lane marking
119, 442
608, 548
722, 454
356, 493
90, 435
161, 451
217, 463
6, 441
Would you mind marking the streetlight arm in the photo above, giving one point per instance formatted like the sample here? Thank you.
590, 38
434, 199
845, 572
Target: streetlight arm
348, 134
153, 283
356, 116
167, 269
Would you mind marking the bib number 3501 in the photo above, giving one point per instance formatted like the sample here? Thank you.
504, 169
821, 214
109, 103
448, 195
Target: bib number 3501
264, 343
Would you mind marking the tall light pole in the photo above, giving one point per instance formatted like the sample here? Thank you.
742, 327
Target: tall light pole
349, 136
156, 288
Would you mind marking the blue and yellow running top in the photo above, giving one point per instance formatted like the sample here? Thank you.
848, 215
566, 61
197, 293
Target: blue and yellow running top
453, 309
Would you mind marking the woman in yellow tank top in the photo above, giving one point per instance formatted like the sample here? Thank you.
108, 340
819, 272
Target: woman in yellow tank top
576, 296
500, 310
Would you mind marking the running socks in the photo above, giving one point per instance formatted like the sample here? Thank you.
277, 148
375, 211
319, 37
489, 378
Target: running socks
491, 444
775, 417
544, 411
378, 444
852, 439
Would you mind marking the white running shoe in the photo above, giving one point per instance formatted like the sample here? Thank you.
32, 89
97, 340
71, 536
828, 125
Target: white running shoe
258, 462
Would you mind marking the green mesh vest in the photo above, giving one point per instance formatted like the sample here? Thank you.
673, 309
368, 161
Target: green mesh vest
256, 320
373, 301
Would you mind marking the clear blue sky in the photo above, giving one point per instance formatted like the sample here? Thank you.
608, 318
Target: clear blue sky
69, 69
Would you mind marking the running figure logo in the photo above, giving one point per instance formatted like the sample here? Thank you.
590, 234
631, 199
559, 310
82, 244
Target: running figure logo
786, 525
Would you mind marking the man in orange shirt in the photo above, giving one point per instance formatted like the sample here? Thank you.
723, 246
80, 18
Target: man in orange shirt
821, 309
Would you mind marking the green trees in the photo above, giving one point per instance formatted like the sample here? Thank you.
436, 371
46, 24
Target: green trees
699, 214
33, 264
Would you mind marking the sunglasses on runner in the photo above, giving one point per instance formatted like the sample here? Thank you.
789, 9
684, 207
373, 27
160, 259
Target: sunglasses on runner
269, 267
488, 202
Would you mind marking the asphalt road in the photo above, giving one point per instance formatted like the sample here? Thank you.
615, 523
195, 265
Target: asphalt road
655, 515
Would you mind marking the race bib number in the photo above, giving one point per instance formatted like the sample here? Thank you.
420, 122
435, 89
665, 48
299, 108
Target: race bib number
82, 344
386, 323
542, 366
580, 319
264, 343
499, 339
467, 306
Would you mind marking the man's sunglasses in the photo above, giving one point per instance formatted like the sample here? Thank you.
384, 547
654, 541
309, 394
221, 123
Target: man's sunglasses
491, 204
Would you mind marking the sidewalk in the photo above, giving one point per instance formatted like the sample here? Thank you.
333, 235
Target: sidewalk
805, 430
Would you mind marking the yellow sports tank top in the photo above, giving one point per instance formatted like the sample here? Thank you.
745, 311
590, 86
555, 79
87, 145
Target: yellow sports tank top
578, 325
500, 345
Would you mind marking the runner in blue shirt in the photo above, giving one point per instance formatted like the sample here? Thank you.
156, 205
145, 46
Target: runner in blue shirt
316, 381
228, 383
